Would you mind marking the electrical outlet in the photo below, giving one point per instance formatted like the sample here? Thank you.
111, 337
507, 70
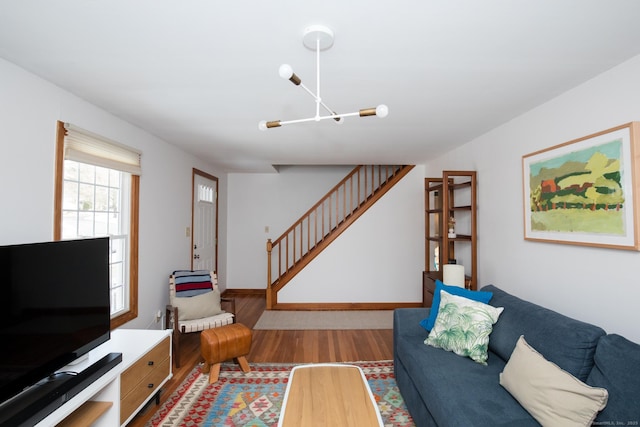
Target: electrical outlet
158, 316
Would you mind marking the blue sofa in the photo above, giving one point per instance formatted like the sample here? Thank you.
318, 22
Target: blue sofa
441, 388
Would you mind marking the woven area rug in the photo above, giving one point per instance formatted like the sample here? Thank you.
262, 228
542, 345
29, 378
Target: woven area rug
332, 319
255, 398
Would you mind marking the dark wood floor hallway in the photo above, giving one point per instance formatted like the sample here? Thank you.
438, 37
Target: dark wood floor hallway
308, 346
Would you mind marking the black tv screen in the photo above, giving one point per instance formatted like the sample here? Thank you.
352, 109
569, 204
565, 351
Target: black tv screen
55, 307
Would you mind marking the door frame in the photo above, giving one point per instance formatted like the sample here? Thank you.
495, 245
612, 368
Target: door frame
203, 174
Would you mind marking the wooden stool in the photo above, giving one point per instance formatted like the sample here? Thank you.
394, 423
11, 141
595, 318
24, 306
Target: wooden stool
223, 343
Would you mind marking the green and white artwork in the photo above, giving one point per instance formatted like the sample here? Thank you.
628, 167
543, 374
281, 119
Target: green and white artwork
582, 192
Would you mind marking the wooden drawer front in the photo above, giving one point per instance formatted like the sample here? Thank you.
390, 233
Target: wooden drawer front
141, 380
145, 388
147, 363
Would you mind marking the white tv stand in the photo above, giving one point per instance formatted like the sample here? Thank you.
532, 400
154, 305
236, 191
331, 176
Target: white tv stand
114, 398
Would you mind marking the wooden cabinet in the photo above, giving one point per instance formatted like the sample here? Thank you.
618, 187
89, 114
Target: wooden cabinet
114, 398
142, 379
451, 196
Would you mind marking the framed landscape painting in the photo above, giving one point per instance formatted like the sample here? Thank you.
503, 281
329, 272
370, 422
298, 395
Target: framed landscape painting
585, 191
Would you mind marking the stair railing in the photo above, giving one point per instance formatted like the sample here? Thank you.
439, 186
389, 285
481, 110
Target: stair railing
330, 215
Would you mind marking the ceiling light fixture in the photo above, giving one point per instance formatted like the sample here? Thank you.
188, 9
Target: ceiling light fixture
318, 37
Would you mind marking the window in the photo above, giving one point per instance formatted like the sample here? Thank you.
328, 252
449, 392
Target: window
95, 203
97, 196
205, 193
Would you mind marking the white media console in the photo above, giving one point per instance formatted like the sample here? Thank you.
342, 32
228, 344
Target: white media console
115, 397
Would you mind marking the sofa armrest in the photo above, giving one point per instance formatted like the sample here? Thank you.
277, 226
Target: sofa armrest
406, 321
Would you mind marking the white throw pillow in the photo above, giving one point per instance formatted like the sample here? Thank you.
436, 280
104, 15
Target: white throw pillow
552, 396
463, 326
199, 306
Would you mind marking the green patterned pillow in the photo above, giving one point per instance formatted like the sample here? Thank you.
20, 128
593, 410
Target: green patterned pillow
463, 326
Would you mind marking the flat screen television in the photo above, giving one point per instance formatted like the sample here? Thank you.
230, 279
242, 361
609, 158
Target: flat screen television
54, 308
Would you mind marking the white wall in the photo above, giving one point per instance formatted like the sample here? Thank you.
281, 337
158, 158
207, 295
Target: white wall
29, 110
366, 256
596, 285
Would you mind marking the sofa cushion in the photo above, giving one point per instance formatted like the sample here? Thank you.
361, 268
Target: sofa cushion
567, 342
617, 368
458, 391
463, 327
552, 396
428, 322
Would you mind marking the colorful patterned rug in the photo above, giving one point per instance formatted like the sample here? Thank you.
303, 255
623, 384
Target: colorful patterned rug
255, 398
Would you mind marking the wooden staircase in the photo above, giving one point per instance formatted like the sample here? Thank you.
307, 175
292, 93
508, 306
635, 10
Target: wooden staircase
325, 221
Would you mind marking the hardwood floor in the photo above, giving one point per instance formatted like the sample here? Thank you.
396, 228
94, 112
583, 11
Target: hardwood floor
308, 346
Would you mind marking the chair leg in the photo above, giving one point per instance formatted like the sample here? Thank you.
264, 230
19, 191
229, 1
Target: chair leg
214, 373
244, 365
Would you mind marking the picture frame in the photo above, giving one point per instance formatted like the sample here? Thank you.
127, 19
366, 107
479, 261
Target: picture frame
585, 191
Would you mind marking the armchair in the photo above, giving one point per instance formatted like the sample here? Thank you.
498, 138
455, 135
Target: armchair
195, 305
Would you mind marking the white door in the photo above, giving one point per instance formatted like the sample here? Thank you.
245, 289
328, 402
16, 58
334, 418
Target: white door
205, 222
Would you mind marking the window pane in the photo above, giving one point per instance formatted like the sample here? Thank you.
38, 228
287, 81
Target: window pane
87, 173
85, 224
114, 178
69, 224
70, 192
114, 223
102, 199
117, 300
114, 199
70, 170
116, 257
102, 176
205, 193
117, 251
116, 275
86, 202
101, 224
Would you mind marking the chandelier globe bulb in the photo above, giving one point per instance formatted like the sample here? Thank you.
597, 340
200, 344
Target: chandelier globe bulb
285, 71
382, 111
262, 125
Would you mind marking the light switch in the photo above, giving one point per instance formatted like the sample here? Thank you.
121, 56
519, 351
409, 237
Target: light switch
187, 232
266, 228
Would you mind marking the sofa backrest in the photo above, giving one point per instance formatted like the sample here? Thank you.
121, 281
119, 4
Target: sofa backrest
567, 342
617, 368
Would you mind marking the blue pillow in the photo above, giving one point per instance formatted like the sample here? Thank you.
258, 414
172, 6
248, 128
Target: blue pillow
480, 296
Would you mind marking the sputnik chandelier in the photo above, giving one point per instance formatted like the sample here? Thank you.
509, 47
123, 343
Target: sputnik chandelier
318, 37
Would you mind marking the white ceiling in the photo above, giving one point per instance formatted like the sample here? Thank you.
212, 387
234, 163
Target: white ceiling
201, 74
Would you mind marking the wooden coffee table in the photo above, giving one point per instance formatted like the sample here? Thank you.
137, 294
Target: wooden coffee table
328, 395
